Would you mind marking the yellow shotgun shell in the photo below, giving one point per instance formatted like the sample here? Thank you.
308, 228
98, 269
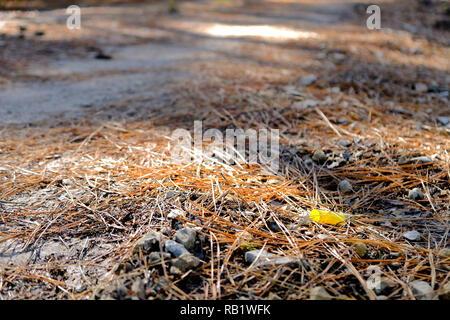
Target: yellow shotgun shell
327, 217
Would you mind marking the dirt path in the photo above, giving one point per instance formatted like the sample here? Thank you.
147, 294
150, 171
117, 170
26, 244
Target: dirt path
66, 86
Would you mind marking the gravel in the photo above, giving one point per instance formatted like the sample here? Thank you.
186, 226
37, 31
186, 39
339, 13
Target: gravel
262, 258
149, 242
421, 290
384, 285
345, 186
360, 248
175, 213
412, 235
308, 80
421, 87
186, 237
443, 120
421, 160
156, 257
186, 262
344, 143
319, 156
416, 194
176, 248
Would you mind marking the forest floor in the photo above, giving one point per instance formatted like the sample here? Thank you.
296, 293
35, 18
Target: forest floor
90, 196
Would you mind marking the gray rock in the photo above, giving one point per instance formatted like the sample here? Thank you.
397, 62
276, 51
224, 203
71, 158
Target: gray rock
383, 285
251, 256
319, 156
149, 242
175, 271
443, 120
421, 290
344, 143
421, 87
123, 267
186, 237
166, 231
360, 248
416, 194
308, 79
176, 248
156, 257
186, 262
421, 160
175, 213
266, 259
412, 235
345, 186
319, 293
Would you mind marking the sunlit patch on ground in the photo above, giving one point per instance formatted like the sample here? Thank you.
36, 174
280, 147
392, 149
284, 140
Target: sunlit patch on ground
271, 32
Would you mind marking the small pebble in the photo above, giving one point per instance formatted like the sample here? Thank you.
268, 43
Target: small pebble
176, 248
383, 285
416, 194
251, 256
421, 87
344, 143
166, 231
345, 186
149, 242
186, 262
174, 270
319, 156
156, 257
308, 79
421, 290
319, 293
412, 235
421, 160
443, 120
175, 213
360, 248
186, 237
